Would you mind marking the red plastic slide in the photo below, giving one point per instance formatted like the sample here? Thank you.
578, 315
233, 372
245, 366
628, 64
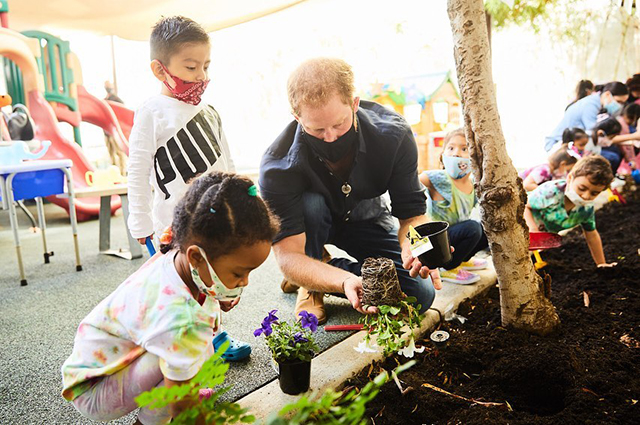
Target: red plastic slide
124, 115
47, 129
98, 112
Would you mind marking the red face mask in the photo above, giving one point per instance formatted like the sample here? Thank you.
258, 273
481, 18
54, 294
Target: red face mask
186, 91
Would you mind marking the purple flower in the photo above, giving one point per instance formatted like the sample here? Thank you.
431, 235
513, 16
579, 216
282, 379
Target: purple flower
308, 320
298, 338
265, 327
270, 319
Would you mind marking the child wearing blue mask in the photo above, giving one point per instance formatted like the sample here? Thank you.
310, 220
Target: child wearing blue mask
158, 326
563, 204
451, 198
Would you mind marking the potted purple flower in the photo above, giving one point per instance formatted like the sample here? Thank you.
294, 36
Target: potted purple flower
292, 347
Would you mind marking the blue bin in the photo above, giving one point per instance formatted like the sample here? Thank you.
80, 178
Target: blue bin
33, 184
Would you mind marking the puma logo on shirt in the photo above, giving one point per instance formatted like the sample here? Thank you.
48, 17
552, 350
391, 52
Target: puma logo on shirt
191, 151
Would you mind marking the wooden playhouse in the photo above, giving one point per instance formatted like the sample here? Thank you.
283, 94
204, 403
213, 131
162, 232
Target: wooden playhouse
431, 105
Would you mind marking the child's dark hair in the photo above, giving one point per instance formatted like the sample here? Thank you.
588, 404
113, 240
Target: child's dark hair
583, 88
571, 134
169, 34
221, 212
616, 88
450, 135
632, 111
563, 154
610, 127
595, 168
633, 83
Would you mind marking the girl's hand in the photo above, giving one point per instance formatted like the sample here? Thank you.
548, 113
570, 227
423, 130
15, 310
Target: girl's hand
228, 305
607, 265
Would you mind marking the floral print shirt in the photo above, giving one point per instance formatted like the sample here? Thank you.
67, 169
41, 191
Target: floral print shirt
547, 207
539, 174
152, 311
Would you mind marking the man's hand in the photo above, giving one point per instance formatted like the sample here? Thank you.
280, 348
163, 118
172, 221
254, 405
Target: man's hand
143, 241
415, 267
228, 305
353, 292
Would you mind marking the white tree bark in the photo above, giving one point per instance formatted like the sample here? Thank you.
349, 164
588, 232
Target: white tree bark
497, 185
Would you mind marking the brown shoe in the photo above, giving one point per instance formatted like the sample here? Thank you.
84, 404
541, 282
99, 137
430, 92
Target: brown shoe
312, 302
289, 287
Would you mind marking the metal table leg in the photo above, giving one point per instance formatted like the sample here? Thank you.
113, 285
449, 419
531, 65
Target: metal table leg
135, 250
105, 224
42, 224
134, 246
14, 225
73, 217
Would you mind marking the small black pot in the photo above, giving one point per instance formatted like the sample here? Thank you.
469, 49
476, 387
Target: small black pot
294, 376
439, 237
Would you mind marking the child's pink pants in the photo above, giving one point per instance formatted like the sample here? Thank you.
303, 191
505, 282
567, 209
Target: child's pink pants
113, 396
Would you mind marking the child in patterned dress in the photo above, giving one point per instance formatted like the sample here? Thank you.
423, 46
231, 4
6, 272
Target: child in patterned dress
558, 166
563, 204
157, 327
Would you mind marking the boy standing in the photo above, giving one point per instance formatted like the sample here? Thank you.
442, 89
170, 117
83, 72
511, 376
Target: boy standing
175, 137
562, 204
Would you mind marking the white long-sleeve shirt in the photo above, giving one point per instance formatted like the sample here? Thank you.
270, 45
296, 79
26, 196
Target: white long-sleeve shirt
171, 142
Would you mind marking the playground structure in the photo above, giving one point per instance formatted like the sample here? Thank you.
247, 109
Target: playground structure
46, 76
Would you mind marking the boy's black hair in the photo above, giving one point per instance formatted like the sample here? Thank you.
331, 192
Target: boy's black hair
169, 34
221, 212
632, 111
571, 134
595, 168
616, 88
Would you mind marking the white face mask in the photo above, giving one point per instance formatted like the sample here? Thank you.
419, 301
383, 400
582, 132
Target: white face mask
217, 290
575, 198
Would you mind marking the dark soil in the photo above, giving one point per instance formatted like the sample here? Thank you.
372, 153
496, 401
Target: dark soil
583, 373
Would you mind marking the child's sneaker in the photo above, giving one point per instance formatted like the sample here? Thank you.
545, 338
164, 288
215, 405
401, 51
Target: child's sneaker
474, 264
459, 276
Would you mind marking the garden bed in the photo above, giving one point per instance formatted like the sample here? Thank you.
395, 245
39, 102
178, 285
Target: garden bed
588, 371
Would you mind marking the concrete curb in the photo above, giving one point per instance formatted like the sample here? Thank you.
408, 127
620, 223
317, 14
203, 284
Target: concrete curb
333, 367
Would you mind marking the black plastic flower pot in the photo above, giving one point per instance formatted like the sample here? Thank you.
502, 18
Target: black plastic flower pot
439, 237
295, 377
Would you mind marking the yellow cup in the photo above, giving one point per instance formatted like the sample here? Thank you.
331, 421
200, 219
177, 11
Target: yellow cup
107, 177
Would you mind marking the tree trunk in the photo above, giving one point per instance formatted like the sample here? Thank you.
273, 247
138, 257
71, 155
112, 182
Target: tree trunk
497, 185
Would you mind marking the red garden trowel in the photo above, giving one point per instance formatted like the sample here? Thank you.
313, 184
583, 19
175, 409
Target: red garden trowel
542, 240
334, 328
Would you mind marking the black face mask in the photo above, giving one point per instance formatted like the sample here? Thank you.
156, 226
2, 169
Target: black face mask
336, 150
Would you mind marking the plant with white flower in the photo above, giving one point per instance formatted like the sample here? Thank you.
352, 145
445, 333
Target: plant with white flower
397, 315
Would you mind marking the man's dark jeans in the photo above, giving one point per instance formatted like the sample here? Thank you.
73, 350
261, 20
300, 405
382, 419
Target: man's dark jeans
360, 239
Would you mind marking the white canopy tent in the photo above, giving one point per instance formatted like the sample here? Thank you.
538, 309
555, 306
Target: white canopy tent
133, 19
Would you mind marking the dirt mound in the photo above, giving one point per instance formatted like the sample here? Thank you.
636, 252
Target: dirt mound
587, 372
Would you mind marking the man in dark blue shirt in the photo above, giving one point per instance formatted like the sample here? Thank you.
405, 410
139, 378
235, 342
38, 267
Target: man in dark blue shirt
325, 177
